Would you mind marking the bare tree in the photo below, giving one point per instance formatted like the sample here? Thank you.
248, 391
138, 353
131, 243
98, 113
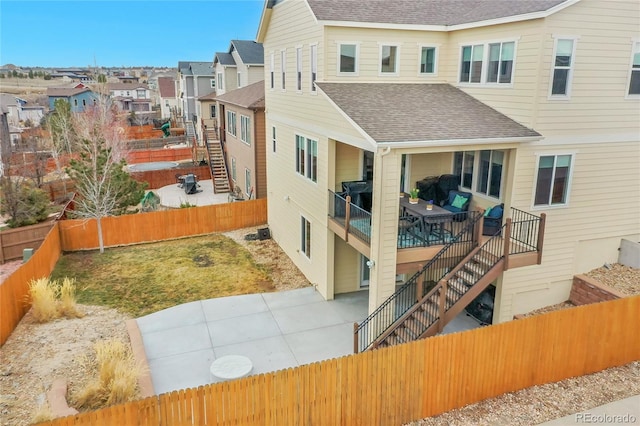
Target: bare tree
103, 186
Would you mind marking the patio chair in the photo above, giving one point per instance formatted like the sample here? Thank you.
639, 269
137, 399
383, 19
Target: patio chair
492, 224
458, 203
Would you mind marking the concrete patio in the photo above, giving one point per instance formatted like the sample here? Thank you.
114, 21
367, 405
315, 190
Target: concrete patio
274, 330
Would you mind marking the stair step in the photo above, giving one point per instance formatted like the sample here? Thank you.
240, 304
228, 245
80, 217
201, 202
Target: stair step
406, 334
486, 259
470, 279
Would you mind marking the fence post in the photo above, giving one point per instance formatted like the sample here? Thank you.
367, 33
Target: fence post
541, 226
355, 338
347, 214
507, 243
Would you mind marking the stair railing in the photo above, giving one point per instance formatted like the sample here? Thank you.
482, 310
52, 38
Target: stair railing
415, 288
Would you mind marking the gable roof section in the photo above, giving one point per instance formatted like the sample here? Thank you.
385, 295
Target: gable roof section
167, 87
224, 58
251, 52
250, 97
432, 12
66, 91
127, 86
201, 68
398, 113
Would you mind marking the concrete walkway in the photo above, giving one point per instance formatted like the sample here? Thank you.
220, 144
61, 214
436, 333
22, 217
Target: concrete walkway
274, 330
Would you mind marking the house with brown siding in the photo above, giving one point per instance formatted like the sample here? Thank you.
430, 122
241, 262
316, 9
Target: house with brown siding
529, 106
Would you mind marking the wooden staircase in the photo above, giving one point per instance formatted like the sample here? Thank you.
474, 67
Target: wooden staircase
446, 300
190, 131
217, 163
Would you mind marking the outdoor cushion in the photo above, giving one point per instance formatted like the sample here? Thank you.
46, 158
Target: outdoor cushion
459, 201
496, 212
487, 212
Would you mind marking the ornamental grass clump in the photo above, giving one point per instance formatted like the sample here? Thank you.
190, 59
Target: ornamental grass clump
116, 378
51, 300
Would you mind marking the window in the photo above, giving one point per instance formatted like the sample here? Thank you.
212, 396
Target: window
128, 93
75, 102
314, 66
305, 237
141, 94
634, 78
213, 111
480, 171
299, 69
239, 80
283, 67
273, 138
490, 173
233, 168
307, 157
220, 81
231, 123
471, 67
500, 64
247, 183
213, 83
347, 60
272, 71
389, 59
552, 181
562, 67
427, 60
245, 129
84, 102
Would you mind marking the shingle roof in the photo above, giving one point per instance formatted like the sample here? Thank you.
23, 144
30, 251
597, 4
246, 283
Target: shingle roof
250, 97
250, 51
201, 68
167, 87
421, 112
66, 91
126, 86
224, 58
425, 12
208, 97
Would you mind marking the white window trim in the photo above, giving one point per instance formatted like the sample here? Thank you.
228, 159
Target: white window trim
302, 249
233, 169
635, 44
299, 68
247, 182
476, 174
357, 64
485, 63
274, 140
247, 131
307, 166
213, 83
221, 81
396, 73
283, 70
272, 72
565, 205
235, 123
435, 60
567, 96
239, 74
313, 90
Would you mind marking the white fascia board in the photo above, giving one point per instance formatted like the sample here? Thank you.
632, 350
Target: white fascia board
459, 142
377, 25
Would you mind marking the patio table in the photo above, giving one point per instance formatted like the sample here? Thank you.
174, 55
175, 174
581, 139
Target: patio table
435, 219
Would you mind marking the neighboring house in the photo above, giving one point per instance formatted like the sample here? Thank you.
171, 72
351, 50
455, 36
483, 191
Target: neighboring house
78, 98
240, 66
169, 105
20, 112
530, 104
130, 97
208, 113
195, 79
243, 126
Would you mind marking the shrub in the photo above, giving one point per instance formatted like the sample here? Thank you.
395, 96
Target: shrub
24, 203
117, 377
67, 305
43, 294
42, 414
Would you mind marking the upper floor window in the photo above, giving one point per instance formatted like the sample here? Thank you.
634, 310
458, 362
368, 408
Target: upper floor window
220, 81
213, 111
487, 63
634, 78
427, 60
213, 83
348, 58
75, 102
245, 129
389, 59
299, 69
562, 67
552, 180
307, 157
283, 67
272, 79
273, 138
142, 93
231, 123
84, 102
128, 93
239, 79
480, 171
314, 65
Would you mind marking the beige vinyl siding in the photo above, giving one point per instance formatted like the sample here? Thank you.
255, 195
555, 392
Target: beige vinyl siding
347, 267
255, 73
603, 208
348, 159
424, 165
368, 60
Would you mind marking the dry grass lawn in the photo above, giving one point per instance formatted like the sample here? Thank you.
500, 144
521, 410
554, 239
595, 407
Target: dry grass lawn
147, 278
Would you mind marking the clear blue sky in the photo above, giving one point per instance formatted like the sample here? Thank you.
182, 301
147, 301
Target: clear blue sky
122, 33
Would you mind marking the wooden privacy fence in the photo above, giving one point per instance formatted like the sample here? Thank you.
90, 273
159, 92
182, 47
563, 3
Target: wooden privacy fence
14, 290
14, 241
398, 384
81, 234
159, 178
